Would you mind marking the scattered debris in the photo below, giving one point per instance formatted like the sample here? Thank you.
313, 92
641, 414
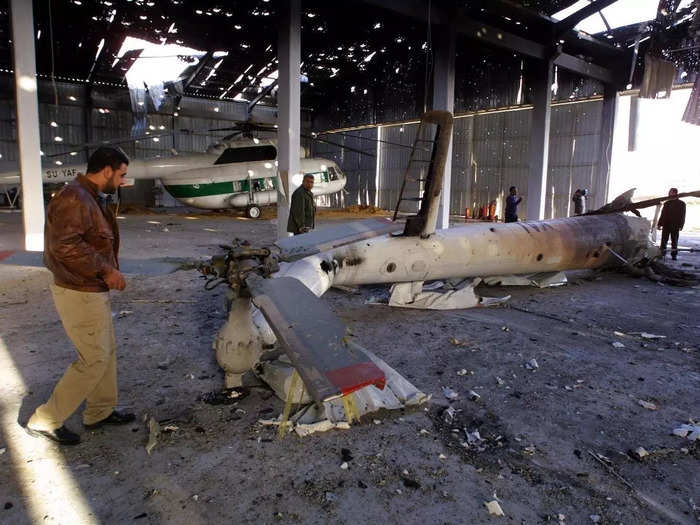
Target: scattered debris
618, 344
153, 435
474, 396
532, 364
691, 431
473, 438
530, 451
322, 426
448, 415
500, 381
124, 313
462, 372
424, 432
494, 508
647, 404
456, 342
344, 465
443, 456
645, 335
640, 452
170, 428
449, 393
226, 396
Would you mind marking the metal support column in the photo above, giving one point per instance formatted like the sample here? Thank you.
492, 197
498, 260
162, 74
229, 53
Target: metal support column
607, 128
289, 113
27, 107
543, 72
444, 99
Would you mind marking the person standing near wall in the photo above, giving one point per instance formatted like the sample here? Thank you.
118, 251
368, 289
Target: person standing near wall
512, 202
671, 222
579, 199
302, 211
81, 251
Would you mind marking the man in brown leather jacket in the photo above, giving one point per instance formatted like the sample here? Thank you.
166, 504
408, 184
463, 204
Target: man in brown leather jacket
81, 242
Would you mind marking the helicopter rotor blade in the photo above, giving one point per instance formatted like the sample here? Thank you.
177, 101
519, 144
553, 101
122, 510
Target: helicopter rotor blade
361, 152
344, 134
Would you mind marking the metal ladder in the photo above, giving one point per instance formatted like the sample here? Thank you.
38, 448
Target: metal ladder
419, 171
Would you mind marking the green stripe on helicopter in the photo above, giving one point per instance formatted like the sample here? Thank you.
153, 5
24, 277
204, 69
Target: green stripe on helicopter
184, 191
187, 191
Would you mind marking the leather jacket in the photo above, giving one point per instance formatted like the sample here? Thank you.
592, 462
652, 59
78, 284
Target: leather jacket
81, 238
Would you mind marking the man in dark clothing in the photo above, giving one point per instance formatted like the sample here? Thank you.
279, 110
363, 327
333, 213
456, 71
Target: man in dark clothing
302, 212
579, 199
512, 202
81, 248
671, 222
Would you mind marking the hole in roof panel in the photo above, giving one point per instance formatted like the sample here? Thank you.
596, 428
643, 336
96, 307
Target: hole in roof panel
621, 13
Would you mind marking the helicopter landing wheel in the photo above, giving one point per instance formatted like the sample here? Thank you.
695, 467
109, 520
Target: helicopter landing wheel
253, 212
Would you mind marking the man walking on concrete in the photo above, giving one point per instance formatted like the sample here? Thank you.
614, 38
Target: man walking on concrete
671, 222
81, 250
302, 211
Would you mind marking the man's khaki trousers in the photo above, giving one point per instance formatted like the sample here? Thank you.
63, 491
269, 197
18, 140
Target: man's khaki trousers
87, 319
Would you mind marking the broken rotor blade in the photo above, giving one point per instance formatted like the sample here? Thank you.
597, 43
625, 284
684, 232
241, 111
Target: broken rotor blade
631, 206
314, 339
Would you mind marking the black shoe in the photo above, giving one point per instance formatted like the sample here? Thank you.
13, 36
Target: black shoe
61, 435
115, 418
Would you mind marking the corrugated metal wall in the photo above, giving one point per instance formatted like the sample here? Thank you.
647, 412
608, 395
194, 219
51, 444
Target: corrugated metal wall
360, 169
490, 154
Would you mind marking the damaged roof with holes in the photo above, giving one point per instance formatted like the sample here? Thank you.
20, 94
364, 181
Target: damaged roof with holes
364, 58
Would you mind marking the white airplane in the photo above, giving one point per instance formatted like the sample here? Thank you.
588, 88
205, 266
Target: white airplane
238, 173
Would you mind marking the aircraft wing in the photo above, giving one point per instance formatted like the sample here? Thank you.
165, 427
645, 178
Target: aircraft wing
314, 338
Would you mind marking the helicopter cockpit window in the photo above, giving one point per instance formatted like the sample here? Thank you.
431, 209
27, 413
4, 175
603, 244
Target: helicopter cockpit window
332, 173
248, 154
266, 184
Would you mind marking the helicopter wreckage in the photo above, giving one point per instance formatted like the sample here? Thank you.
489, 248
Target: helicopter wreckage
279, 329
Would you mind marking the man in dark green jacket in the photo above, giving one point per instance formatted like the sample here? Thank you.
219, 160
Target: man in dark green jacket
302, 211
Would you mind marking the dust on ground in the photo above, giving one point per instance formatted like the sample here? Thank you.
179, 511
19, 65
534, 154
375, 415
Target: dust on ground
267, 212
538, 428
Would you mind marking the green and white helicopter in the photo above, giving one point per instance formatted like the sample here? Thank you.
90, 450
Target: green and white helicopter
237, 172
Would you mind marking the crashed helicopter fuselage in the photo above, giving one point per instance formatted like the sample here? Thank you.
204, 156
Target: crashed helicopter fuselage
267, 307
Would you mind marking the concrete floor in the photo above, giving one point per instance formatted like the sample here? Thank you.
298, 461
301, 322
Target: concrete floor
221, 466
